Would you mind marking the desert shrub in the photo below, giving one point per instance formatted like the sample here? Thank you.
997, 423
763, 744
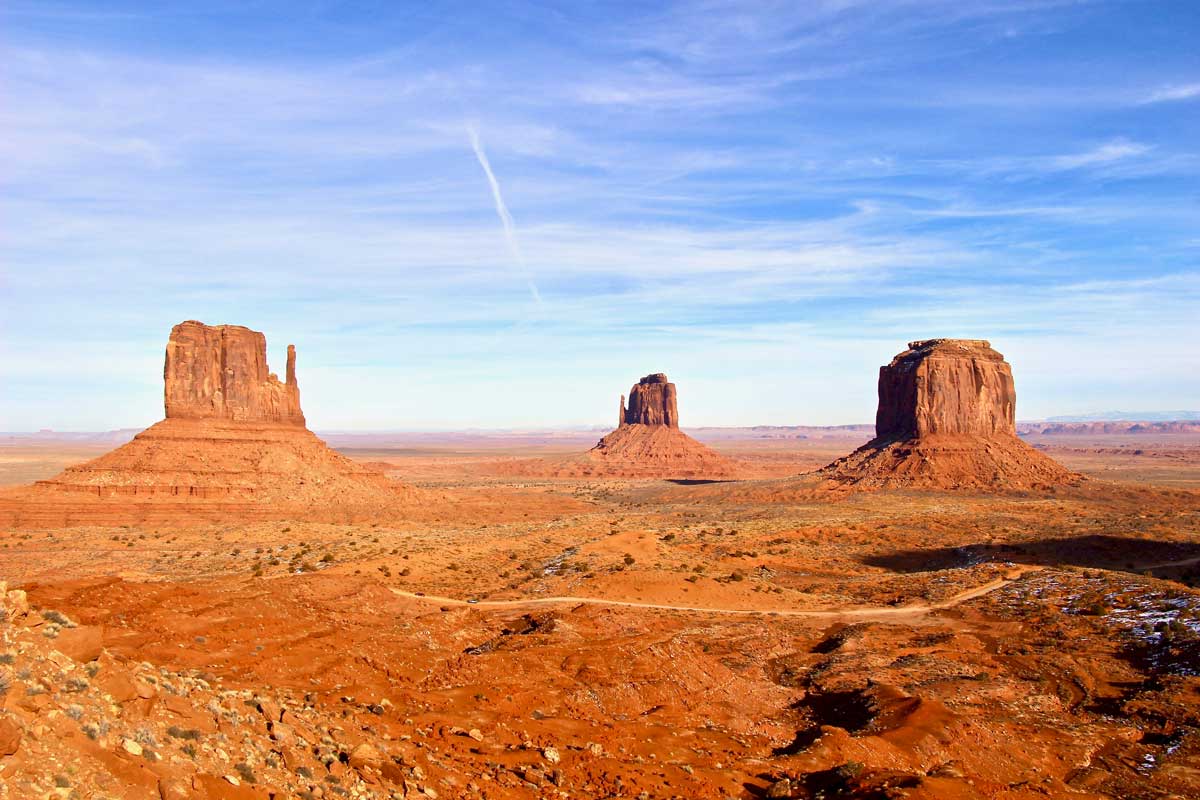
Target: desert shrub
58, 618
188, 734
75, 685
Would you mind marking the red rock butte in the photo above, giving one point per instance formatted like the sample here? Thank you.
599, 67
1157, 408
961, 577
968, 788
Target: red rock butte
947, 419
648, 442
233, 443
220, 372
652, 401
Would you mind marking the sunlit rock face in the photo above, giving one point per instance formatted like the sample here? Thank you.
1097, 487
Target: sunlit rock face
946, 386
220, 372
652, 401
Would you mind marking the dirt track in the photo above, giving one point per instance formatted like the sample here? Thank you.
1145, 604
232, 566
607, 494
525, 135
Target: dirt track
863, 612
826, 613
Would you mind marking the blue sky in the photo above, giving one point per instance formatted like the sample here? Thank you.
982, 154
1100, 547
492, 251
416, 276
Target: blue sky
765, 200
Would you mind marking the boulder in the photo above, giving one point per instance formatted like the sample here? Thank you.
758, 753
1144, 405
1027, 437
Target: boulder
366, 756
10, 736
174, 789
17, 602
83, 643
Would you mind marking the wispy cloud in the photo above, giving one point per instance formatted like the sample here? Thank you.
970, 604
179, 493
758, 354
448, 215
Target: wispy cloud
506, 220
1107, 153
1187, 91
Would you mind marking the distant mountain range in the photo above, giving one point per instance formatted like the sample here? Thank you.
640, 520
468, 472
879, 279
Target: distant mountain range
1139, 416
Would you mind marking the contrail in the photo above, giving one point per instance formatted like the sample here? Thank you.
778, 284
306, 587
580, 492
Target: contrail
510, 229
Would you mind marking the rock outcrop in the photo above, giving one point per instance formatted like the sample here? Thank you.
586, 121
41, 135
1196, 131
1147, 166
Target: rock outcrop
946, 419
946, 386
220, 372
648, 443
233, 443
652, 401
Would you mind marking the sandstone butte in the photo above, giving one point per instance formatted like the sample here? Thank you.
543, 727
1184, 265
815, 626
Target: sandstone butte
233, 442
947, 420
220, 372
648, 443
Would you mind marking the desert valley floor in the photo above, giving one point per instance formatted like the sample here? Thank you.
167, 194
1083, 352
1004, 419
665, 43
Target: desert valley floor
514, 636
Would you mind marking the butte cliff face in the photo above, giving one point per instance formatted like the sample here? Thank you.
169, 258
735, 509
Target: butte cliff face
946, 419
946, 386
652, 401
233, 444
220, 372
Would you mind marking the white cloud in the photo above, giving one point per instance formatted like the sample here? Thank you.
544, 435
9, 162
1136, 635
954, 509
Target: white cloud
1107, 153
1166, 94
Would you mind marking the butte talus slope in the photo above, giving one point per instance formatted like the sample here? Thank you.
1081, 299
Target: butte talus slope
946, 420
234, 441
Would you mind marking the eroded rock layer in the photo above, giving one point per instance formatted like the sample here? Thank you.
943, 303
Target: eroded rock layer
946, 419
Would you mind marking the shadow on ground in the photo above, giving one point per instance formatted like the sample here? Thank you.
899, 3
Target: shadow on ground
1094, 551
